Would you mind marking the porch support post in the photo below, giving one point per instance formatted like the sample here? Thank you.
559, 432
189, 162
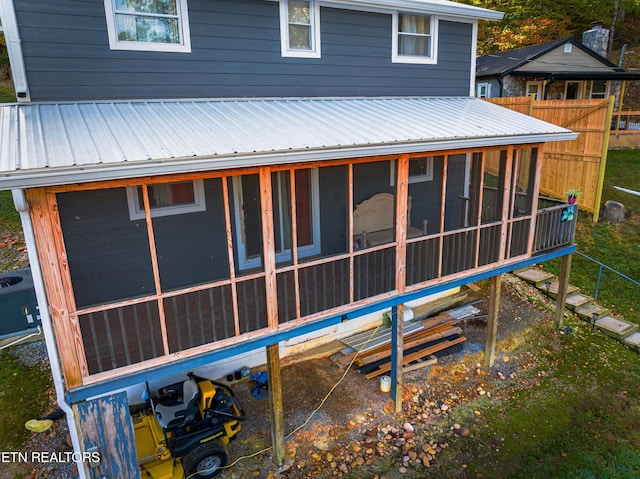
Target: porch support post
275, 403
492, 320
563, 285
397, 316
397, 354
273, 353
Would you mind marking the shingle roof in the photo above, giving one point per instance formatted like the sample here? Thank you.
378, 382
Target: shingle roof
58, 143
506, 62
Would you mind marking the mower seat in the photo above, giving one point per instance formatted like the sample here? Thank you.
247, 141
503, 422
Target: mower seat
179, 411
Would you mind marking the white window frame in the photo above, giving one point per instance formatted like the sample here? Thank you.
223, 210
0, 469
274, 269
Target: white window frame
136, 210
397, 58
607, 85
286, 51
580, 85
183, 21
285, 255
415, 178
539, 84
487, 90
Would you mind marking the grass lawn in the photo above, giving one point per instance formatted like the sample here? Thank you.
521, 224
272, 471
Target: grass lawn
7, 95
617, 246
23, 397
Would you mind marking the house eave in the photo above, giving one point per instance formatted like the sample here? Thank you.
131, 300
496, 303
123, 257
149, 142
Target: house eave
83, 174
613, 75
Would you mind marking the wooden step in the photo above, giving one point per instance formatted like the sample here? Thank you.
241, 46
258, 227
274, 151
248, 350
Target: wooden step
587, 311
535, 276
553, 289
577, 300
616, 328
633, 341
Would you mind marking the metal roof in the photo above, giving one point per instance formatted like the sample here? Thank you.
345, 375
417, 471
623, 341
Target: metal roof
59, 143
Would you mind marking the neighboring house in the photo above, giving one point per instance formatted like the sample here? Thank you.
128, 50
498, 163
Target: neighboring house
201, 178
558, 70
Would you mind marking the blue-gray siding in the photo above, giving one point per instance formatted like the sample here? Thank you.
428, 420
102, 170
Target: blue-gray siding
109, 257
235, 53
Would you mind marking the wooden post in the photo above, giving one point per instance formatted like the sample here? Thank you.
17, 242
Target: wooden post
603, 160
492, 321
273, 353
67, 330
563, 284
397, 354
402, 200
275, 403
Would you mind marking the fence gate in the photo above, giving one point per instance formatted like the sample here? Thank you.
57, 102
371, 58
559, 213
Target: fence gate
579, 163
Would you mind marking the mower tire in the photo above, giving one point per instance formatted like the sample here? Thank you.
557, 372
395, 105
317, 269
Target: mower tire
205, 460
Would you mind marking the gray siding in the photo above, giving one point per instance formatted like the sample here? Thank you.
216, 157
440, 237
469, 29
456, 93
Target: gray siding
235, 53
109, 255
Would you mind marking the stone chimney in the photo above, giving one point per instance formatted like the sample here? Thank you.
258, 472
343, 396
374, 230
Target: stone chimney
597, 39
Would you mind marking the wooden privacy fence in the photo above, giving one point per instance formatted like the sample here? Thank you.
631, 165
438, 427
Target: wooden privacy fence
579, 163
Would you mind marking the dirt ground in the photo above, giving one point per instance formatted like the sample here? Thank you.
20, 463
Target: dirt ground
356, 432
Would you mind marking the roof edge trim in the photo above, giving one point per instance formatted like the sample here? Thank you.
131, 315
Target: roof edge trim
87, 174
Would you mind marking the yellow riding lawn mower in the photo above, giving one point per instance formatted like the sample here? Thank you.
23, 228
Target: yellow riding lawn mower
185, 431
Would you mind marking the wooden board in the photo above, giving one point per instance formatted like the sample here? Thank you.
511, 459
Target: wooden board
105, 423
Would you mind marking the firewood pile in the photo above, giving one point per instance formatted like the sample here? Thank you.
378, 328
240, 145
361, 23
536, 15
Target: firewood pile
423, 340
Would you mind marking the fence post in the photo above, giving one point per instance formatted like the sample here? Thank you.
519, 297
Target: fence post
603, 160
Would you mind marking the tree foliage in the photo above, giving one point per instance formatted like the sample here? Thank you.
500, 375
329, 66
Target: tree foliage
527, 22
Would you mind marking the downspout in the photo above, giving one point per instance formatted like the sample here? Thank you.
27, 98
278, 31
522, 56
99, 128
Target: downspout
22, 206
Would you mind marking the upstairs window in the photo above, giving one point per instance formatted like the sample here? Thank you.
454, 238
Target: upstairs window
300, 28
149, 25
414, 38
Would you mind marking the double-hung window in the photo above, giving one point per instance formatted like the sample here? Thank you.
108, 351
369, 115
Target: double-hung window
151, 25
415, 38
300, 28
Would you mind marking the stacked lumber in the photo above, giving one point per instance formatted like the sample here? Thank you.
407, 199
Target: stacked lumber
422, 340
417, 347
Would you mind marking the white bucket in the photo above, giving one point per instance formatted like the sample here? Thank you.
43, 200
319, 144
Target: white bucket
385, 384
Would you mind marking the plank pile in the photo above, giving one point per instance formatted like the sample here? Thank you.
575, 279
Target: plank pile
421, 341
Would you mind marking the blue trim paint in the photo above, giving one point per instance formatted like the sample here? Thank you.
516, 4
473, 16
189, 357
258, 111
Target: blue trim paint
179, 366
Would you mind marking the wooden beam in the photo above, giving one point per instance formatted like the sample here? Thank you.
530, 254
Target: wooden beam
275, 403
230, 258
268, 248
535, 195
563, 285
402, 205
50, 258
506, 187
397, 338
156, 268
492, 320
397, 355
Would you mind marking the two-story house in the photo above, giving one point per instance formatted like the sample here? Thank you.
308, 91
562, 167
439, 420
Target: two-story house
201, 178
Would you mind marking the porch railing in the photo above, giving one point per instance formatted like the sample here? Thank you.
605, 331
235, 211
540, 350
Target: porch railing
555, 226
130, 334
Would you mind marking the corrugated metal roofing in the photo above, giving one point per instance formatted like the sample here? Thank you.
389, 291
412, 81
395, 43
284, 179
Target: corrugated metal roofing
58, 143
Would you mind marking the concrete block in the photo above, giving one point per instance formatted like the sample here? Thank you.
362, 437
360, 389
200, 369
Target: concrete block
633, 341
553, 289
586, 311
577, 300
616, 328
535, 276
